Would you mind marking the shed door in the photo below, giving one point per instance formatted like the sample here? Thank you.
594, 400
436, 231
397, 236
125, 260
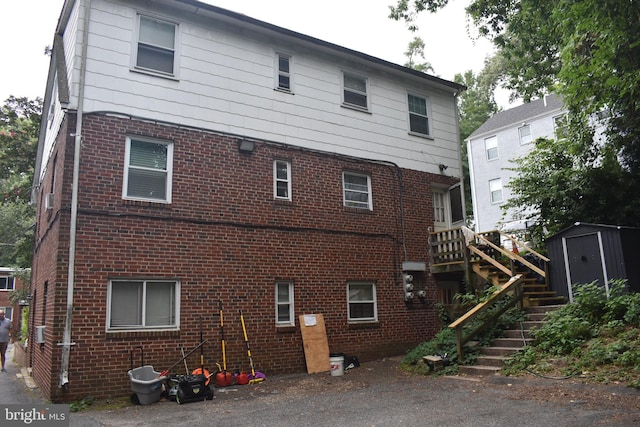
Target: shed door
583, 257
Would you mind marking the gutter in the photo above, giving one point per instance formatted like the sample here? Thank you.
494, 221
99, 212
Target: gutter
66, 340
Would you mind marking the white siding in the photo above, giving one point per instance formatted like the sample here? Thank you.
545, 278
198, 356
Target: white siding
226, 83
489, 216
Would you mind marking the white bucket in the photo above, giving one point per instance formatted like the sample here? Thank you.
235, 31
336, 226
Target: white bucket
336, 363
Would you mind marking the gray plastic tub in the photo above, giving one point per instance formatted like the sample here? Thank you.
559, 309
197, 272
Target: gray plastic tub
146, 384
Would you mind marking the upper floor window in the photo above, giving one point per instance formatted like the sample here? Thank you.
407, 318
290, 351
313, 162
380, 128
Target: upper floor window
156, 46
495, 188
284, 76
7, 283
357, 190
418, 115
284, 304
361, 300
560, 126
524, 133
148, 168
491, 147
143, 304
282, 180
354, 89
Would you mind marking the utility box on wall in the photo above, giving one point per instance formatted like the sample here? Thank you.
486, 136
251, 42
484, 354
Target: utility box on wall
584, 253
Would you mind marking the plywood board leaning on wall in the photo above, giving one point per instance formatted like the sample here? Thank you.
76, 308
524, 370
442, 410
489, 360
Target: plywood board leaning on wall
314, 339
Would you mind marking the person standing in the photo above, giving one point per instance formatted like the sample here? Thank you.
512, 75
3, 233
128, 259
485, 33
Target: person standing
5, 336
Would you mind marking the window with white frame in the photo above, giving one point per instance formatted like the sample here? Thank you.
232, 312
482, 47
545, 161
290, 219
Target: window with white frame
495, 189
143, 304
8, 312
354, 89
282, 180
7, 283
357, 190
284, 76
418, 115
148, 169
156, 46
491, 147
284, 304
439, 207
524, 133
361, 298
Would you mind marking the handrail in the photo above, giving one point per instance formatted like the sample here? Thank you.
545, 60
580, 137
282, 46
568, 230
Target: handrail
514, 284
511, 255
490, 260
522, 245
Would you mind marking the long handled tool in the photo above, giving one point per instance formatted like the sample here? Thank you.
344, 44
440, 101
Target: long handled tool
223, 378
254, 378
166, 371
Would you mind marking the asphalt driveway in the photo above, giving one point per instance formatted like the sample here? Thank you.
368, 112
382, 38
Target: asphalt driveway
379, 394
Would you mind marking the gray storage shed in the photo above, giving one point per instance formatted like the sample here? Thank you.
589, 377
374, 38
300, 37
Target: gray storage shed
586, 252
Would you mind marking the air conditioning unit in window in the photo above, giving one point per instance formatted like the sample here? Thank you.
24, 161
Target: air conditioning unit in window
40, 334
48, 201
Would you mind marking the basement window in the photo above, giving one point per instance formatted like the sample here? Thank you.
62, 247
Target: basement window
143, 304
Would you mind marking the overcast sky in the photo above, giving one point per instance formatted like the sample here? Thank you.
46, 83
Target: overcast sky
27, 27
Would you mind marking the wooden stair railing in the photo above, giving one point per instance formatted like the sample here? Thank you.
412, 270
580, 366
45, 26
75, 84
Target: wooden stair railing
514, 286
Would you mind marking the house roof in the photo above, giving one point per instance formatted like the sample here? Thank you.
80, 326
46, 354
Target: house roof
196, 6
520, 114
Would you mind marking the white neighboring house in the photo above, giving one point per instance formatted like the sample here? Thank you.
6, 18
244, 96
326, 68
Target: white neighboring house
507, 135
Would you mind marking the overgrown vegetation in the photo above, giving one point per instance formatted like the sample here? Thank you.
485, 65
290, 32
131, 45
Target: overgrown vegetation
444, 343
595, 338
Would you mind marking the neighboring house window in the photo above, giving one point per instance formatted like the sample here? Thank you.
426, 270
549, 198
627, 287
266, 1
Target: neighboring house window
560, 126
148, 168
357, 190
143, 304
282, 180
491, 146
8, 312
418, 115
7, 283
525, 134
495, 187
361, 299
355, 91
284, 304
156, 46
284, 73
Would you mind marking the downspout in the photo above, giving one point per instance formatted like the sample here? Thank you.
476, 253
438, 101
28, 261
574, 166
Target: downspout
66, 344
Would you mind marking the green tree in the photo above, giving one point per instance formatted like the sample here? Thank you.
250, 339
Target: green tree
588, 52
475, 105
415, 50
19, 123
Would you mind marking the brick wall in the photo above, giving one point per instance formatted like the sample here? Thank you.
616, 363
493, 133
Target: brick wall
225, 238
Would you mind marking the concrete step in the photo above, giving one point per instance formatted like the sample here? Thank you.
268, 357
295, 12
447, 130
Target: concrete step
478, 370
542, 301
543, 309
496, 361
510, 342
498, 351
517, 333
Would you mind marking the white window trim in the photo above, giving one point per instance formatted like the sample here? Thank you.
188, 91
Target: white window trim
344, 190
144, 328
13, 282
374, 301
277, 87
496, 202
292, 320
176, 48
276, 180
367, 88
487, 148
429, 120
127, 157
520, 134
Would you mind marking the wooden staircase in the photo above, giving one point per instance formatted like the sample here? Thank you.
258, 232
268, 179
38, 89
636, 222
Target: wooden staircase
492, 358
